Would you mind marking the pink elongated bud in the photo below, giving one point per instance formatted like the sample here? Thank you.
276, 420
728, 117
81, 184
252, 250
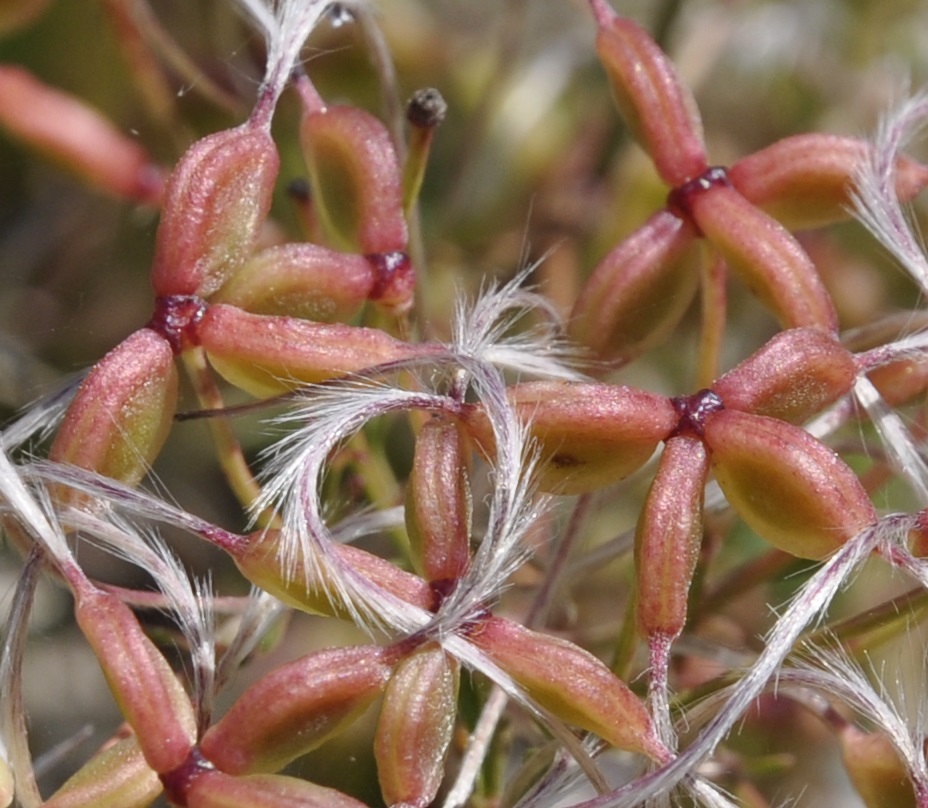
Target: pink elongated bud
807, 181
259, 558
314, 283
266, 355
117, 777
148, 694
356, 178
790, 488
415, 728
122, 413
214, 789
571, 683
438, 502
792, 377
876, 769
639, 292
215, 202
77, 137
590, 435
669, 535
295, 708
764, 254
659, 110
901, 380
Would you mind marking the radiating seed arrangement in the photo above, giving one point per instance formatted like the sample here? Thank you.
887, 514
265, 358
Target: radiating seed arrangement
577, 543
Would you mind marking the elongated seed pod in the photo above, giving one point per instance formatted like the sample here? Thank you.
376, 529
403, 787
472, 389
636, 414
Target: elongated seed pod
356, 179
767, 258
669, 535
590, 435
790, 488
658, 108
117, 777
148, 694
876, 769
807, 180
266, 355
213, 789
438, 502
415, 727
314, 283
259, 558
123, 411
792, 377
295, 708
215, 202
639, 292
77, 137
571, 683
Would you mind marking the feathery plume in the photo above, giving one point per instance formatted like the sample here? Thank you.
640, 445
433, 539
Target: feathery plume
876, 203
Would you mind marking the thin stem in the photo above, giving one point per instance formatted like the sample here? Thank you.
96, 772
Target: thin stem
714, 303
228, 449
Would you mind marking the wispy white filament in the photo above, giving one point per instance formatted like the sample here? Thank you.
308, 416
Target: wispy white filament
900, 445
875, 201
286, 25
808, 605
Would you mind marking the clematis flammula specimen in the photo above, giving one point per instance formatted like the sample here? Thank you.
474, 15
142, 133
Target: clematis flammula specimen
638, 292
296, 707
571, 683
438, 502
415, 727
122, 412
790, 488
116, 777
355, 174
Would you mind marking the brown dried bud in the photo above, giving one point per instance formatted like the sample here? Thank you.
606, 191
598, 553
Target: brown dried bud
669, 535
123, 410
295, 708
260, 559
807, 181
766, 256
659, 110
356, 179
590, 435
267, 355
415, 727
639, 292
215, 203
876, 769
438, 502
790, 488
571, 683
213, 789
76, 136
792, 377
117, 777
148, 694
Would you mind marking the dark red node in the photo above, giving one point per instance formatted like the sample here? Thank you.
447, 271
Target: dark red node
694, 410
178, 781
175, 318
392, 274
680, 199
